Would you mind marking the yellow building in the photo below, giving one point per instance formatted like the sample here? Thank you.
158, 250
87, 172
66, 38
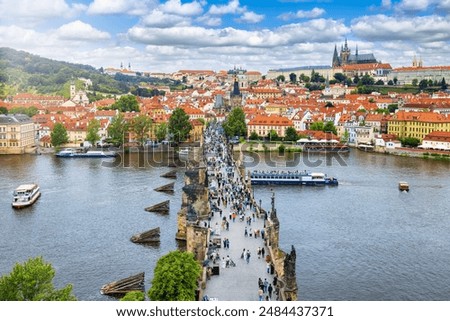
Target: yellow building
417, 124
17, 134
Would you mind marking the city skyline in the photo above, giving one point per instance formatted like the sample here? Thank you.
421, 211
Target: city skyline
166, 36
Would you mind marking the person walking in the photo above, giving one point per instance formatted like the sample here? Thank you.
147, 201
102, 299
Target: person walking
269, 290
247, 256
260, 294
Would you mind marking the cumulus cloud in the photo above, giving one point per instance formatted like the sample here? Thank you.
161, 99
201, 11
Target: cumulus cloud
251, 17
131, 7
159, 19
301, 14
210, 21
78, 30
319, 30
182, 9
414, 5
387, 28
31, 12
233, 7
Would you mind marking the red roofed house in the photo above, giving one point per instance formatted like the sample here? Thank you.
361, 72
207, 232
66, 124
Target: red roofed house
436, 140
263, 124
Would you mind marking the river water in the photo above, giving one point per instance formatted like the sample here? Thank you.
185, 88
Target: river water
361, 240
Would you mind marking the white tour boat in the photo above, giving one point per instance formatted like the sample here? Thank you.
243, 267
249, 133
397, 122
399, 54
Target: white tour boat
25, 195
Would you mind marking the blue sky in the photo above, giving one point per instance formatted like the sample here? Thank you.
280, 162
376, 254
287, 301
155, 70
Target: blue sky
168, 35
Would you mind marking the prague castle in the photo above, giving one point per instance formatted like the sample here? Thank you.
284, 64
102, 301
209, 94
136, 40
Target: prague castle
346, 58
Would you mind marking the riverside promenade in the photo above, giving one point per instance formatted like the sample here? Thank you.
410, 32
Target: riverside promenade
234, 218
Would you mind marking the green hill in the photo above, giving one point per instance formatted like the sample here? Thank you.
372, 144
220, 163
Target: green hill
24, 72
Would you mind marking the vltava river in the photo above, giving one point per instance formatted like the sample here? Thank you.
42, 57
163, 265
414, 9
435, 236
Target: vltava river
361, 240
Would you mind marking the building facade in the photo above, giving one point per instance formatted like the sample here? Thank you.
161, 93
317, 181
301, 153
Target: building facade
17, 134
417, 124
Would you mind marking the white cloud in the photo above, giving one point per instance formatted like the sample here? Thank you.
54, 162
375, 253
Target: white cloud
251, 17
233, 7
319, 30
131, 7
314, 13
182, 9
386, 4
159, 19
31, 12
78, 30
210, 21
301, 14
414, 5
386, 28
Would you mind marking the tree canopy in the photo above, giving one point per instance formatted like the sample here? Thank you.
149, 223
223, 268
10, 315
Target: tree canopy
117, 129
126, 103
290, 134
179, 125
234, 124
32, 281
161, 132
92, 135
175, 277
59, 135
141, 126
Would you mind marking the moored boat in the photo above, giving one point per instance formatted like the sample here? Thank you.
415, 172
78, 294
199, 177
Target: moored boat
403, 186
72, 153
290, 178
25, 195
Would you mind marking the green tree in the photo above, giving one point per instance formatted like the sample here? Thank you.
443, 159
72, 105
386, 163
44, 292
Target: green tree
281, 78
390, 83
380, 83
161, 132
254, 136
423, 84
392, 107
443, 84
32, 281
293, 78
134, 296
318, 125
304, 78
141, 126
92, 135
414, 82
179, 125
329, 127
340, 77
290, 134
410, 141
3, 110
367, 80
273, 135
175, 277
234, 124
126, 103
59, 135
117, 129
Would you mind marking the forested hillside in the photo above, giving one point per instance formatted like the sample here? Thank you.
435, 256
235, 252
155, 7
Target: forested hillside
23, 72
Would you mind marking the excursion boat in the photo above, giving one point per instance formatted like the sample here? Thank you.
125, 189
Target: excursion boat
72, 153
25, 195
290, 178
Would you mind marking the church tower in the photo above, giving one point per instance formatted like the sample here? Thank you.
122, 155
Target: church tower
73, 90
345, 54
335, 62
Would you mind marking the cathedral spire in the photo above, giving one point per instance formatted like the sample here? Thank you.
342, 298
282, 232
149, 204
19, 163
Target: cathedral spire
335, 62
